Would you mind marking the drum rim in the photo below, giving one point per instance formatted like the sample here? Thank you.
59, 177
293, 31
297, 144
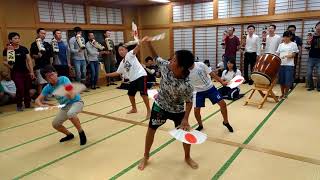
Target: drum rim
266, 76
274, 55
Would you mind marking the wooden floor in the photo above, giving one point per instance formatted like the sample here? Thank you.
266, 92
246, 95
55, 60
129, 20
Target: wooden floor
278, 142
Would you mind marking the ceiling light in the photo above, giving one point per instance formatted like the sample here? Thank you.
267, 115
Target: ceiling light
160, 1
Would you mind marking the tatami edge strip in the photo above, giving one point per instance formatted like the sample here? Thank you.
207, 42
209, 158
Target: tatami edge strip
23, 124
164, 145
227, 164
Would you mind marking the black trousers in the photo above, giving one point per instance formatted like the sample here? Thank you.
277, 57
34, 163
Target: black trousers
249, 59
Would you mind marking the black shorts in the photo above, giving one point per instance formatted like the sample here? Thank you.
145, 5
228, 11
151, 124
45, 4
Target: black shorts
139, 84
160, 116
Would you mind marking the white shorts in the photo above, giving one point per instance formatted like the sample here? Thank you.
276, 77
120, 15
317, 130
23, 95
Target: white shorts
40, 79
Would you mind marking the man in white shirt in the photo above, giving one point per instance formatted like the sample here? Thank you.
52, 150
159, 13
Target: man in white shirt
252, 51
273, 40
131, 68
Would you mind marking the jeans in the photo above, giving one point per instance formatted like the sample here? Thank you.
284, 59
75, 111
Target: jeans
94, 73
80, 66
313, 63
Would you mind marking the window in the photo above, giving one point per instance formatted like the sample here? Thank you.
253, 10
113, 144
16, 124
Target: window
50, 11
114, 16
98, 15
229, 8
181, 13
60, 13
255, 7
286, 6
313, 5
73, 13
183, 39
117, 37
205, 44
203, 11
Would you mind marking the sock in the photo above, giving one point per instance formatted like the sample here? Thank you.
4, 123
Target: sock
67, 138
228, 126
83, 138
199, 128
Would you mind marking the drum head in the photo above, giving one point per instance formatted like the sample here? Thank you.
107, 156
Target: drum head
259, 78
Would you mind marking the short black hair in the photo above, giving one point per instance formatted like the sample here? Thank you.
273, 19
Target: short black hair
292, 26
54, 32
123, 45
77, 29
39, 29
13, 34
47, 69
251, 25
90, 32
317, 23
274, 26
185, 59
147, 59
233, 29
287, 34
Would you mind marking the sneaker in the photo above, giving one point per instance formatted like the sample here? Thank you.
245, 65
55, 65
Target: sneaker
19, 109
67, 138
310, 89
83, 138
318, 90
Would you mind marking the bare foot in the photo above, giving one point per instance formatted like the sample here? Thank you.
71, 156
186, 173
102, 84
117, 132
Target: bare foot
143, 163
192, 163
132, 111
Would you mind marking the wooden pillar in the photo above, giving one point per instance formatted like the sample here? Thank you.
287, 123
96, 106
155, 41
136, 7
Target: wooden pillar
215, 9
272, 7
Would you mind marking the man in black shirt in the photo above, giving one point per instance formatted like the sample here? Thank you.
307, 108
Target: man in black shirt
152, 71
297, 58
21, 70
314, 59
41, 58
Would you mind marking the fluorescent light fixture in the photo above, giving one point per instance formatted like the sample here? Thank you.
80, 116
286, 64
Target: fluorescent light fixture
160, 1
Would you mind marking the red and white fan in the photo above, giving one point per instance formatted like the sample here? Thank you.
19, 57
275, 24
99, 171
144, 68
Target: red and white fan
188, 137
49, 107
73, 87
135, 35
236, 81
152, 93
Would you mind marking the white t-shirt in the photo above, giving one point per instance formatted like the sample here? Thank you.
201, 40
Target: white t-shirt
285, 49
200, 78
228, 76
130, 67
253, 44
272, 44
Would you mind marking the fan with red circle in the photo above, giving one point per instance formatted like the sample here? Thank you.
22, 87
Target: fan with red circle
236, 81
188, 137
73, 87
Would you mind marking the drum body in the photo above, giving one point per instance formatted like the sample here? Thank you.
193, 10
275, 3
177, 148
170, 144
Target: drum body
266, 69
